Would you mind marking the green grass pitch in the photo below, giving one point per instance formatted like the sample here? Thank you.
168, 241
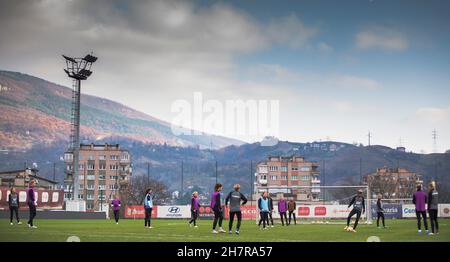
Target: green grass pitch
178, 230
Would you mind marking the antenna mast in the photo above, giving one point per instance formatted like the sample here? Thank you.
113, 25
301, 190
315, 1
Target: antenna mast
434, 136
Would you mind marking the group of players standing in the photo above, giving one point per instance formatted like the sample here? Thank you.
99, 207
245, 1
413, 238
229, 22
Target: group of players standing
265, 206
14, 205
236, 199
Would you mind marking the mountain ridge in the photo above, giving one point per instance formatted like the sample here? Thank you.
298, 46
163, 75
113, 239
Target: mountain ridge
38, 111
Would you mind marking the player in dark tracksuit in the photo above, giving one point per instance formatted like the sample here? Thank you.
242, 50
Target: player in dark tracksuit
358, 207
31, 203
216, 206
13, 203
235, 197
380, 212
270, 210
433, 208
291, 206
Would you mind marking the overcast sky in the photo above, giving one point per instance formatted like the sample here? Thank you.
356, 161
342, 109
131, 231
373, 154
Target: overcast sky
338, 68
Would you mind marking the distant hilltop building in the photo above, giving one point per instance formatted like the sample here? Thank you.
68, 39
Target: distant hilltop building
333, 148
283, 172
103, 170
401, 149
269, 141
392, 182
4, 88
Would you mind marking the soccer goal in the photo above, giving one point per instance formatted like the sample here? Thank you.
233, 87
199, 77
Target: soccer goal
316, 204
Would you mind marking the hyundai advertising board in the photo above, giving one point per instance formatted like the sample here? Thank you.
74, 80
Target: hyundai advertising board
174, 211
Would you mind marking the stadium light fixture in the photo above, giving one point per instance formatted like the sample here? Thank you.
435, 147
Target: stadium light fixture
79, 68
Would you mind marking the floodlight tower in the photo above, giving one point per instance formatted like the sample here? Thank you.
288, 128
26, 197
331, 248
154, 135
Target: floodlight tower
78, 69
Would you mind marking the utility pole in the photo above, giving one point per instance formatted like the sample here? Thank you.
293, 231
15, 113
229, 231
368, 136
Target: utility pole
25, 173
54, 171
251, 183
85, 180
434, 136
182, 174
435, 168
251, 180
287, 182
148, 174
360, 170
324, 178
216, 172
101, 200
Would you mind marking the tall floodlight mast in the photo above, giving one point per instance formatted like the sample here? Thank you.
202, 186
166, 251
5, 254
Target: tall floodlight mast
78, 69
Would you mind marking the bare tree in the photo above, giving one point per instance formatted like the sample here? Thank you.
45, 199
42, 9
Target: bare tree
139, 184
385, 185
444, 192
343, 195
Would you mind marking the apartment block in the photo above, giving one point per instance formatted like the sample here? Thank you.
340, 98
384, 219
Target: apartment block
279, 174
103, 170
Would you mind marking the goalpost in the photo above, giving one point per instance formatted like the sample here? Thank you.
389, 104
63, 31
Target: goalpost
317, 204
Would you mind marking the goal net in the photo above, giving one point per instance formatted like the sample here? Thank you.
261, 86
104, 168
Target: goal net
316, 204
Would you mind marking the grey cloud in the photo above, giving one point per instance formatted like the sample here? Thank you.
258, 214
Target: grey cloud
149, 41
290, 31
150, 52
381, 38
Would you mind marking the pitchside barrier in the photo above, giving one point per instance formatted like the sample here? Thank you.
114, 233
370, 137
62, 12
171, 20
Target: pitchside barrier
404, 208
409, 211
184, 211
46, 199
321, 204
321, 213
56, 214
